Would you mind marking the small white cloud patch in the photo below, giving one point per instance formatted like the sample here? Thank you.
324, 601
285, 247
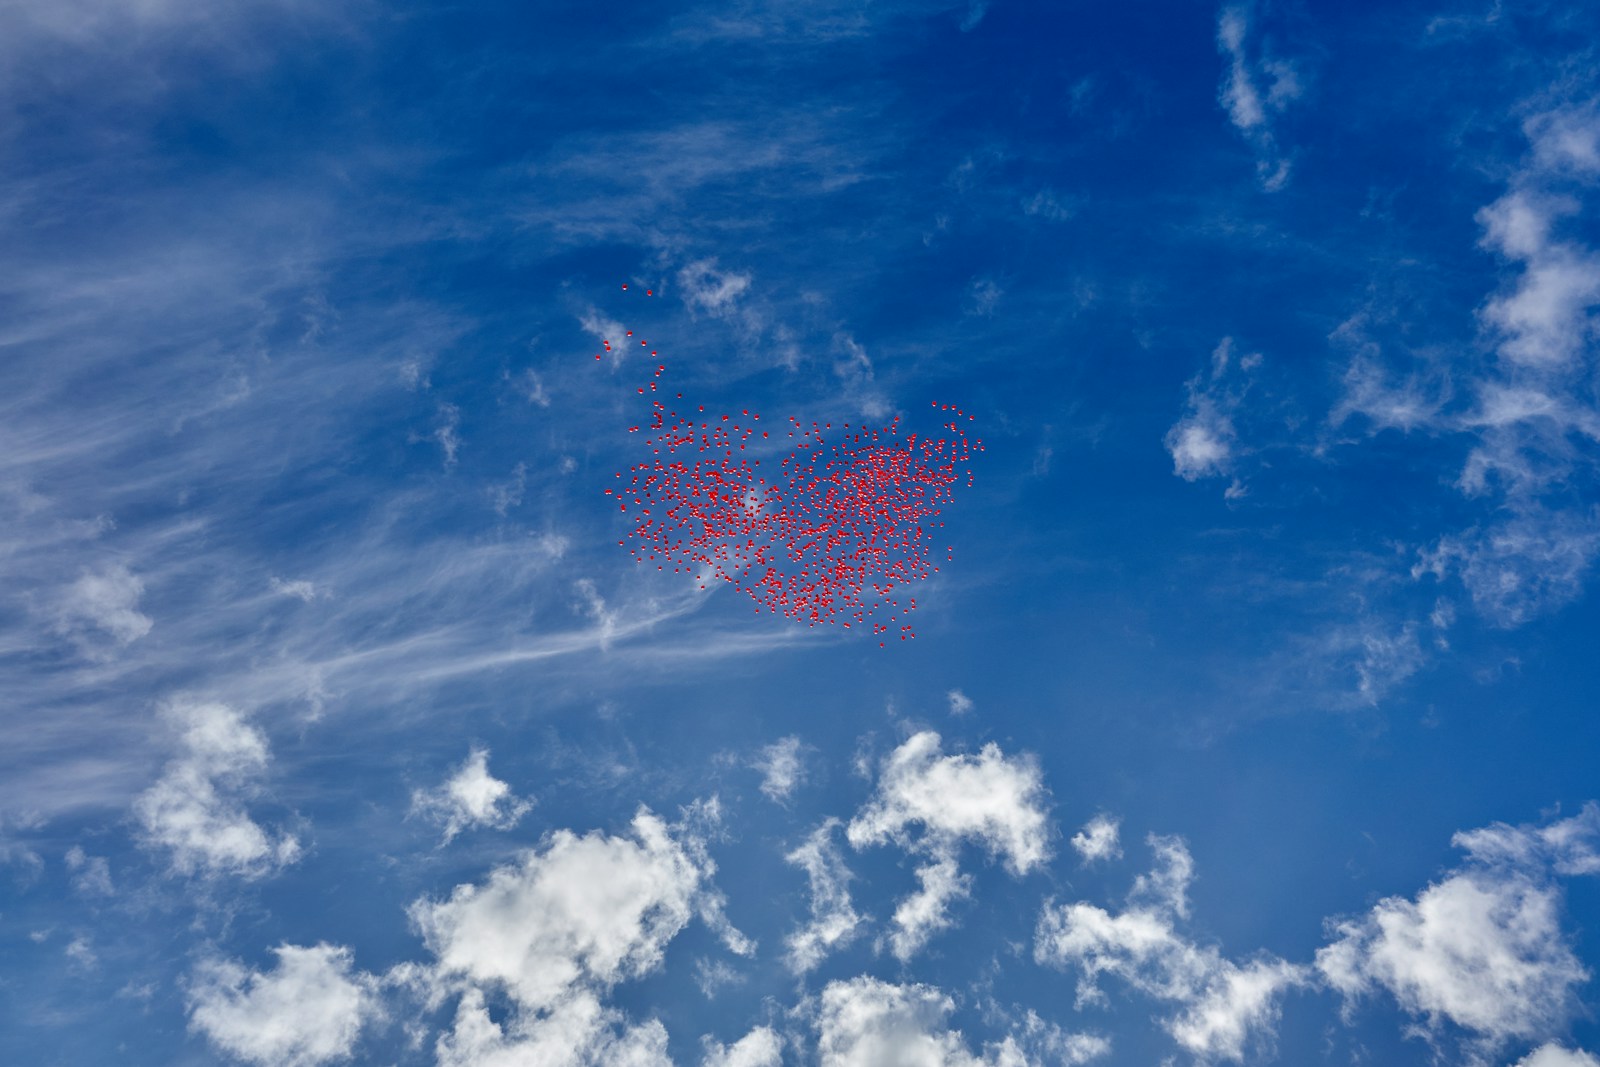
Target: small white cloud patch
781, 768
195, 809
1203, 442
300, 589
471, 797
308, 1010
960, 703
711, 290
1554, 1055
1098, 839
91, 874
761, 1047
866, 1022
108, 601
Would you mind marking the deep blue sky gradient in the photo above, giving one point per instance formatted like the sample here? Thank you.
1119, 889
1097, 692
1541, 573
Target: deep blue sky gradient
271, 283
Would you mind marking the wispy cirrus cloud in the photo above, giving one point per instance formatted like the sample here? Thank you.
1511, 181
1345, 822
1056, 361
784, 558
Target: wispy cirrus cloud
1256, 88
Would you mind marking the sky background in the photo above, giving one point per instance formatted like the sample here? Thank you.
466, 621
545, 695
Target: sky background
1253, 720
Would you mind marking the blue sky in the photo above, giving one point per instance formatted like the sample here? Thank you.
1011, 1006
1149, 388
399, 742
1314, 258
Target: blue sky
1252, 722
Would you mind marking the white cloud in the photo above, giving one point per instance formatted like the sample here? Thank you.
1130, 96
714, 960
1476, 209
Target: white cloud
594, 605
1098, 839
927, 911
781, 768
556, 930
865, 1022
1221, 1005
983, 296
1566, 140
606, 331
301, 589
1203, 442
853, 367
92, 874
1544, 321
1480, 951
1570, 846
1530, 562
1531, 424
591, 909
195, 809
531, 386
508, 495
1553, 1055
471, 797
960, 703
574, 1031
1044, 204
108, 601
310, 1009
446, 433
834, 922
1483, 947
761, 1047
82, 954
709, 289
1255, 89
988, 799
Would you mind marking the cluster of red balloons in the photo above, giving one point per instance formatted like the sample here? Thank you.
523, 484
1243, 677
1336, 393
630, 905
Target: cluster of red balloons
827, 534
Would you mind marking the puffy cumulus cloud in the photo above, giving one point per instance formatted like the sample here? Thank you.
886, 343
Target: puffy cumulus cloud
594, 909
834, 922
1222, 1006
195, 810
106, 602
1553, 1055
995, 800
556, 930
865, 1022
761, 1047
576, 1031
470, 797
309, 1009
781, 767
1256, 88
990, 799
1482, 948
1203, 442
1098, 839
